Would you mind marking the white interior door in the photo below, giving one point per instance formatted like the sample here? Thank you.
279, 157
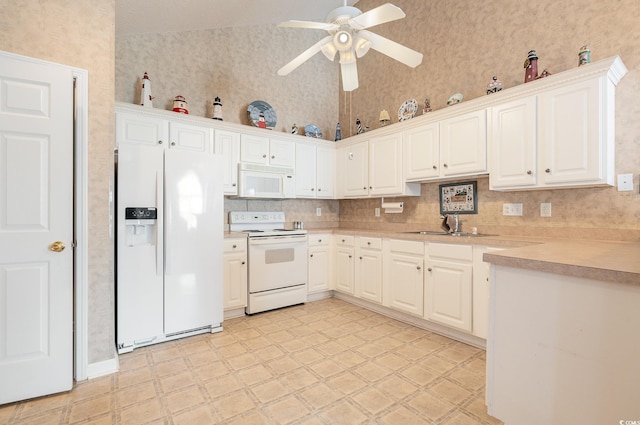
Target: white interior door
36, 228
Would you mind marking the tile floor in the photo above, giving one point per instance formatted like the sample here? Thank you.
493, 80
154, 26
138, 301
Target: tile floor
326, 362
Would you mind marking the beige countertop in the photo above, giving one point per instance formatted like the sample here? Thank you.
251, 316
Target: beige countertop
610, 261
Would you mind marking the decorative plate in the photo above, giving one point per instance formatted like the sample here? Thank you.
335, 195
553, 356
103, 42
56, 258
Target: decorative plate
408, 110
311, 130
258, 106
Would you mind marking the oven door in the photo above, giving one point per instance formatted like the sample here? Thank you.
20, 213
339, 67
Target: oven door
277, 262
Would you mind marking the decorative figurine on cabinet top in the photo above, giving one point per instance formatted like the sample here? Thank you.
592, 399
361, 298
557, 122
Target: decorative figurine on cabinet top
384, 118
531, 66
294, 129
584, 55
338, 133
180, 105
494, 85
427, 106
359, 128
455, 99
217, 109
544, 74
145, 95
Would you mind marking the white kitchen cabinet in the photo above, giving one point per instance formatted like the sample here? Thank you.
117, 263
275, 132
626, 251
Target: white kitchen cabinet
263, 150
320, 264
150, 130
315, 171
353, 163
344, 263
421, 151
235, 273
373, 168
513, 144
481, 291
463, 144
227, 144
562, 136
368, 269
403, 279
448, 285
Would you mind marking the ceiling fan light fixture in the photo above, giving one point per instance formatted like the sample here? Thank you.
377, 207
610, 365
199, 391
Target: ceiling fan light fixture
343, 40
329, 50
347, 56
362, 46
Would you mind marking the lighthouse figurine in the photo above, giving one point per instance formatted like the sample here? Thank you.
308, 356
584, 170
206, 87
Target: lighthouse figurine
145, 95
531, 67
217, 109
180, 105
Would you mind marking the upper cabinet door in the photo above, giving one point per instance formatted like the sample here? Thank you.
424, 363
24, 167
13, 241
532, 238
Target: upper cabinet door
141, 129
325, 172
355, 169
512, 144
385, 165
227, 144
254, 149
190, 137
574, 133
306, 171
421, 152
463, 147
282, 153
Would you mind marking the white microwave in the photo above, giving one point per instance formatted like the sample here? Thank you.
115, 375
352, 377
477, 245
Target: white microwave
265, 181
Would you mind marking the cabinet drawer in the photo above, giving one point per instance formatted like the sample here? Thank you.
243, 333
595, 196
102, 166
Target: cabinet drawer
344, 240
234, 245
451, 252
369, 243
408, 247
318, 240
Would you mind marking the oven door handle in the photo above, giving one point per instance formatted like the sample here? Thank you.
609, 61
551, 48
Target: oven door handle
270, 240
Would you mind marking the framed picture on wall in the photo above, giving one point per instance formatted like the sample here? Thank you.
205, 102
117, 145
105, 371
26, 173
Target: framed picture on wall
461, 198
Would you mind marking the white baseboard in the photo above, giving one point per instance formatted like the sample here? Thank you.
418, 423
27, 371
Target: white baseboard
105, 367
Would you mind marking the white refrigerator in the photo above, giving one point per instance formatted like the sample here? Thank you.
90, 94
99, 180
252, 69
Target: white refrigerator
169, 244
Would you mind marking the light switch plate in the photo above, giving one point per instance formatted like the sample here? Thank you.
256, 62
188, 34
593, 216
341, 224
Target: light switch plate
625, 182
512, 209
545, 209
318, 212
377, 212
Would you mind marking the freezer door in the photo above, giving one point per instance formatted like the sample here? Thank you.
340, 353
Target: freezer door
140, 269
193, 240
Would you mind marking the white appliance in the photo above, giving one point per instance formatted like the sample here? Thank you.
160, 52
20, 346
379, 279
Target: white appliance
169, 244
265, 181
277, 260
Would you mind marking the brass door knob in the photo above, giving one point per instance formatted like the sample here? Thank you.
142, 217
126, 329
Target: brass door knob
57, 246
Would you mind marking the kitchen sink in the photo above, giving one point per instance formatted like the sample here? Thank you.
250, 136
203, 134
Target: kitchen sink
443, 233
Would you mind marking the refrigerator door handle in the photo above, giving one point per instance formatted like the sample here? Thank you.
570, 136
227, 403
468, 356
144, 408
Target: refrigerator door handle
159, 246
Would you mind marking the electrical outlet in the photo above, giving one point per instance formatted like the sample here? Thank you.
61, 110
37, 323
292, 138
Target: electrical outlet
545, 209
625, 182
377, 212
512, 209
318, 212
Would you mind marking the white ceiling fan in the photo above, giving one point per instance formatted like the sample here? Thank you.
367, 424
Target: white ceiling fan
346, 26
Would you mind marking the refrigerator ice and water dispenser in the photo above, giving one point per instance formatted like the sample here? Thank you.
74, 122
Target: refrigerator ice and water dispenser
140, 226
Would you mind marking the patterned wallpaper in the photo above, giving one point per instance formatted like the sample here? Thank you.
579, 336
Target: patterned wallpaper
80, 33
464, 44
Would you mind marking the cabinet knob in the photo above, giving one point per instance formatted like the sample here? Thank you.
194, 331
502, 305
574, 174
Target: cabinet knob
364, 187
368, 243
173, 143
349, 256
370, 187
243, 263
159, 142
234, 185
548, 170
435, 168
312, 189
264, 156
487, 279
429, 269
419, 268
343, 241
273, 156
445, 165
319, 190
529, 172
361, 258
235, 246
319, 240
311, 255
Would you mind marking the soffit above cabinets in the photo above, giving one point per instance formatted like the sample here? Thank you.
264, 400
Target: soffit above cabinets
156, 16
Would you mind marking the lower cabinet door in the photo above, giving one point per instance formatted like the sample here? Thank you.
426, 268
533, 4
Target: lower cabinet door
344, 270
319, 269
448, 296
405, 283
235, 281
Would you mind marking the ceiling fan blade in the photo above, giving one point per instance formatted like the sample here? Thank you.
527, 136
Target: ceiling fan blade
380, 15
349, 71
308, 24
304, 56
392, 49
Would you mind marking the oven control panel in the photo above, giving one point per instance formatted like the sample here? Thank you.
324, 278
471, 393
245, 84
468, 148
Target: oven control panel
249, 217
